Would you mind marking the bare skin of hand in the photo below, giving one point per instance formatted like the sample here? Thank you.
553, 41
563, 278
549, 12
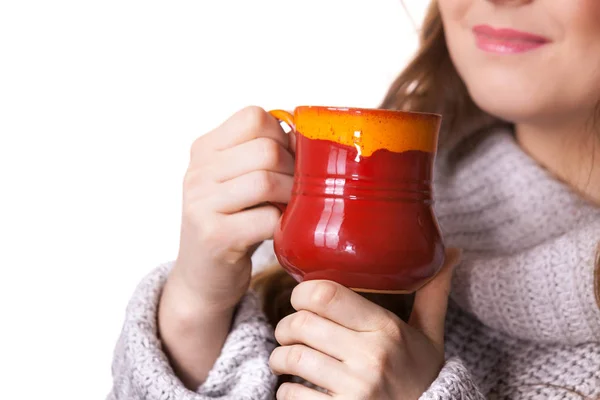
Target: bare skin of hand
234, 171
355, 349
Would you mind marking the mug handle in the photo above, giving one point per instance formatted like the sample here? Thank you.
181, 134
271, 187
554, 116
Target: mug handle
288, 118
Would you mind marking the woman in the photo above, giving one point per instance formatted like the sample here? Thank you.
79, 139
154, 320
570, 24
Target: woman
518, 190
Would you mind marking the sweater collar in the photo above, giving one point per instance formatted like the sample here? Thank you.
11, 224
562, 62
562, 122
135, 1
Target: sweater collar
529, 242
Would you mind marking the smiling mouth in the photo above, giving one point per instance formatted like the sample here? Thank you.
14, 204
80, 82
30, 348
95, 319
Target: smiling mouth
506, 41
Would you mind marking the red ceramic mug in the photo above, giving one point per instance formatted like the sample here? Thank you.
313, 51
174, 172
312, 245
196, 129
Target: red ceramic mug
361, 207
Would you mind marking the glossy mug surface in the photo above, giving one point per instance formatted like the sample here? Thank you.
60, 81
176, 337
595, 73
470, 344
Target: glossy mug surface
361, 208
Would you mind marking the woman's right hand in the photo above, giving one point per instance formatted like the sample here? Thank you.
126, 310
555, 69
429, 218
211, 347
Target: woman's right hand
233, 172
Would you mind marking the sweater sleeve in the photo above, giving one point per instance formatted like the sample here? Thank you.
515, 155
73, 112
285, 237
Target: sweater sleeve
453, 382
141, 370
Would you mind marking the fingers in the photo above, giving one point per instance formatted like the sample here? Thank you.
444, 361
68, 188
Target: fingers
233, 171
340, 305
251, 189
296, 391
245, 125
257, 154
310, 365
258, 225
257, 168
220, 234
431, 301
304, 327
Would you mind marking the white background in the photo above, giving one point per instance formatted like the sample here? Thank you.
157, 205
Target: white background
99, 102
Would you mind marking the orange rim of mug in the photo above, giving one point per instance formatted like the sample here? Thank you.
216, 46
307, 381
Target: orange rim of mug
368, 129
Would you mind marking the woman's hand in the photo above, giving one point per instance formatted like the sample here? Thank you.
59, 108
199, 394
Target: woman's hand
234, 171
356, 349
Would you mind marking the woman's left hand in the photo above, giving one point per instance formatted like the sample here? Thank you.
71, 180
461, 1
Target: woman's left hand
355, 349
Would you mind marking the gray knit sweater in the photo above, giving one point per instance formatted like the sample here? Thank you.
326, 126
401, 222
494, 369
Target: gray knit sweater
524, 316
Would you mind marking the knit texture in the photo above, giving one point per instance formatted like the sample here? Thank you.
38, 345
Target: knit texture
523, 319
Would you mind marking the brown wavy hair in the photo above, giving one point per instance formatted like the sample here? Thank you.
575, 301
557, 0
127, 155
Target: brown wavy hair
430, 83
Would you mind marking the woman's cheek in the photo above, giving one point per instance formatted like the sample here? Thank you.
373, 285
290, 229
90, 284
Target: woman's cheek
454, 11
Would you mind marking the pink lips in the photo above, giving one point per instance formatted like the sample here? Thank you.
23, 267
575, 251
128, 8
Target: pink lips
506, 41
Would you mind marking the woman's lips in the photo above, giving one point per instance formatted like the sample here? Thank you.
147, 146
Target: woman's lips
506, 41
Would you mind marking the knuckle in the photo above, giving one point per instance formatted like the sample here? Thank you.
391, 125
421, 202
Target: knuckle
288, 392
193, 178
193, 210
378, 357
264, 183
294, 356
190, 212
197, 147
269, 151
301, 320
392, 328
254, 118
323, 294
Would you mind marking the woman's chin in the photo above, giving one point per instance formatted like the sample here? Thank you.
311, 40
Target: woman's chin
513, 109
510, 96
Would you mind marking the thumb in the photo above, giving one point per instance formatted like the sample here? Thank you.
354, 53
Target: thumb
431, 301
